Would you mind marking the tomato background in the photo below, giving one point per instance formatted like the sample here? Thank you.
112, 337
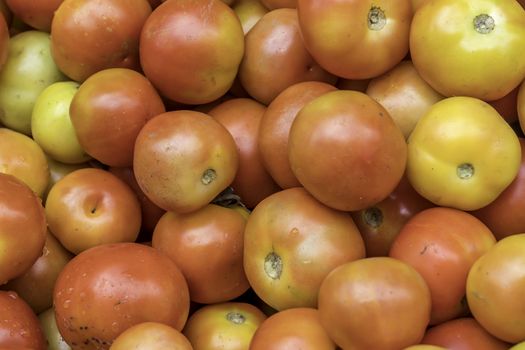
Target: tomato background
271, 179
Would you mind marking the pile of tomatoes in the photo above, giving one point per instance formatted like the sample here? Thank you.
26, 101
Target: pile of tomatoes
262, 174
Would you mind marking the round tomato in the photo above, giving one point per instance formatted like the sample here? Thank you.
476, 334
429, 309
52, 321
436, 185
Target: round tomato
374, 303
495, 287
151, 336
462, 154
442, 244
291, 242
38, 15
356, 39
4, 41
465, 48
346, 150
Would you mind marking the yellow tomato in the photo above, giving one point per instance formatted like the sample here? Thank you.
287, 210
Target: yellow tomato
472, 48
462, 153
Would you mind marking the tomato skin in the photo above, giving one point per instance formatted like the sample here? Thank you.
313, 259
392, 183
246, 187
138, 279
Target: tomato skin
463, 333
375, 35
291, 242
462, 154
442, 244
38, 15
520, 104
495, 286
151, 336
452, 54
374, 303
346, 150
128, 283
4, 41
295, 328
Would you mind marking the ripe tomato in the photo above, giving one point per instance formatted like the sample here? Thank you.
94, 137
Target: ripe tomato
105, 290
218, 326
37, 14
4, 41
194, 147
151, 336
274, 4
291, 242
507, 106
463, 334
495, 287
521, 106
296, 328
207, 246
275, 128
465, 48
355, 39
462, 154
424, 347
346, 150
374, 303
442, 244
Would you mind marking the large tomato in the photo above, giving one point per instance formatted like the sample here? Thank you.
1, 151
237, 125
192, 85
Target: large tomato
37, 14
291, 242
374, 303
462, 154
355, 39
442, 244
106, 289
346, 150
465, 48
151, 336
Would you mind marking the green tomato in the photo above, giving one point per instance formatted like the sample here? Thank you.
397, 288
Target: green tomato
50, 329
28, 70
51, 125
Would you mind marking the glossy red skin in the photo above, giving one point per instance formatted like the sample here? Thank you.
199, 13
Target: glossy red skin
20, 327
276, 58
275, 126
346, 150
91, 206
296, 328
37, 14
36, 285
374, 303
107, 289
207, 246
187, 144
241, 116
504, 216
4, 40
108, 111
463, 333
442, 244
90, 35
22, 227
191, 50
380, 224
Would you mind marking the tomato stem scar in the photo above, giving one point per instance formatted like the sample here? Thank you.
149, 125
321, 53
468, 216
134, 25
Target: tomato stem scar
484, 23
208, 176
235, 317
373, 217
273, 265
376, 18
465, 171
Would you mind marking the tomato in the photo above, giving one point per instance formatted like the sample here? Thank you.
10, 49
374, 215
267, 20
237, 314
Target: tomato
507, 106
404, 94
36, 14
346, 150
274, 4
51, 333
462, 154
380, 224
374, 303
495, 287
442, 244
504, 215
22, 227
242, 116
463, 333
275, 57
229, 325
192, 145
291, 242
463, 48
91, 35
296, 328
424, 347
20, 328
249, 12
207, 246
355, 39
4, 41
151, 336
275, 127
36, 284
191, 50
105, 290
108, 111
521, 106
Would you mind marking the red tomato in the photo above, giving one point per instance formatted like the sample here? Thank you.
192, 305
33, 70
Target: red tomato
4, 40
274, 4
374, 303
507, 106
346, 150
105, 290
442, 244
37, 14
